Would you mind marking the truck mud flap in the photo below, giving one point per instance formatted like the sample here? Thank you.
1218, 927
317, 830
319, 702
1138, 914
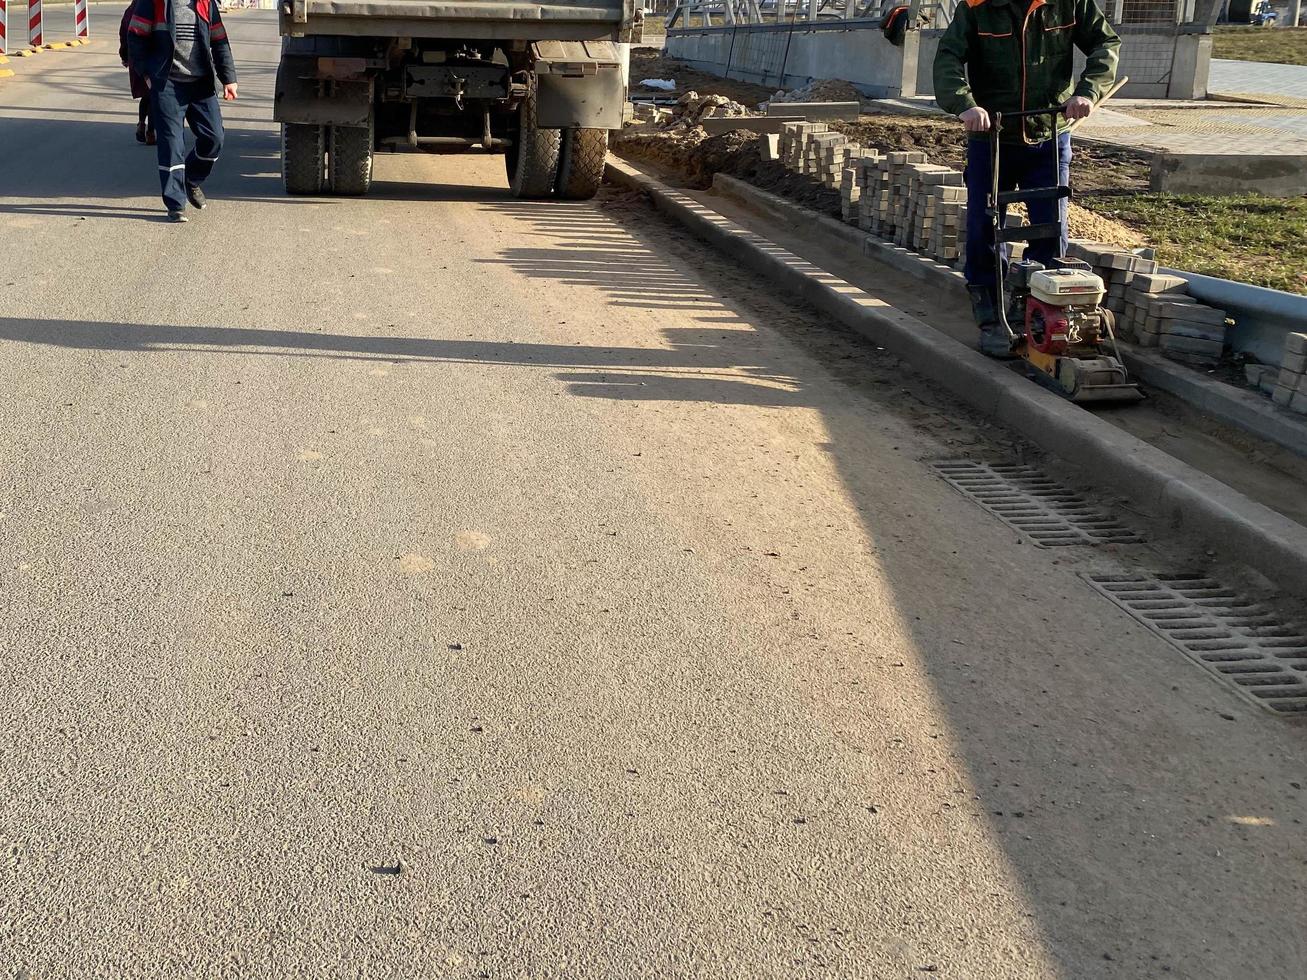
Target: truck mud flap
578, 85
303, 98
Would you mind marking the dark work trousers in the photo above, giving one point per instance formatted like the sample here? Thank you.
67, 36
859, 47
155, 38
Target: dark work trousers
1020, 167
195, 103
143, 111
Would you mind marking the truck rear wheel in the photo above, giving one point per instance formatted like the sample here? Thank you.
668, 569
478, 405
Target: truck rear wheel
349, 159
533, 161
581, 163
302, 156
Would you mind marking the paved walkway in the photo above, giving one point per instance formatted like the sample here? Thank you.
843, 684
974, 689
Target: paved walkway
1255, 78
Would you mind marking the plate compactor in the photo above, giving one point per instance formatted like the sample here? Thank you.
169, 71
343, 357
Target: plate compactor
1054, 318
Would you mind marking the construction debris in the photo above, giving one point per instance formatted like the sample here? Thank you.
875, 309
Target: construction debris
820, 90
688, 111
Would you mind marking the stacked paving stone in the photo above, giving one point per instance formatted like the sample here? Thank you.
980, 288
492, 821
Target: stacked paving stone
853, 183
944, 228
1145, 289
1187, 332
887, 192
792, 142
1291, 387
850, 194
817, 149
917, 224
835, 158
1117, 269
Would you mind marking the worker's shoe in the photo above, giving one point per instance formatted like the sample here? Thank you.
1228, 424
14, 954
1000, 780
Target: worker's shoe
151, 138
177, 217
994, 340
196, 197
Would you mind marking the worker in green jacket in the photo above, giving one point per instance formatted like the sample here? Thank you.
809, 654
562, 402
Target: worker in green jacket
1005, 56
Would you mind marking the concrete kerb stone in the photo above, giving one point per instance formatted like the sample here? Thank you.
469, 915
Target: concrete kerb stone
1180, 494
1241, 409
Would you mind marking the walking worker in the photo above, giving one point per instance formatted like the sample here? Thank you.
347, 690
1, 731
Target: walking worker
179, 46
1008, 56
144, 124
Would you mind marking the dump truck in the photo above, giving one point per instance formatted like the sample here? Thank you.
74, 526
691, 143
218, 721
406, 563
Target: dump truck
540, 83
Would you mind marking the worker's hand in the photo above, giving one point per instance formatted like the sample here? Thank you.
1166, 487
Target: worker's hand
976, 120
1077, 107
229, 92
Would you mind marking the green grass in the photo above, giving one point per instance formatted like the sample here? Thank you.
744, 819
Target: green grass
1278, 45
1248, 238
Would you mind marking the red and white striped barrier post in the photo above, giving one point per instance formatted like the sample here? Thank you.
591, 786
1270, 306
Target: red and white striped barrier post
81, 19
34, 33
4, 27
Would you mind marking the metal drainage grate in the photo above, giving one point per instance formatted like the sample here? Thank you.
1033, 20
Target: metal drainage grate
1029, 501
1232, 636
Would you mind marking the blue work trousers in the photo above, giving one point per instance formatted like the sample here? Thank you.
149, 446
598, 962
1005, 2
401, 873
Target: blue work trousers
1021, 167
195, 104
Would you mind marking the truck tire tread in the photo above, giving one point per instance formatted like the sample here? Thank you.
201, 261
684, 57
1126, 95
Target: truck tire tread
581, 163
533, 162
302, 154
349, 160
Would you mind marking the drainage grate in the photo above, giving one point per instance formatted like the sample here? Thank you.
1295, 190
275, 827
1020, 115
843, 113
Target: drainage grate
1234, 637
1029, 501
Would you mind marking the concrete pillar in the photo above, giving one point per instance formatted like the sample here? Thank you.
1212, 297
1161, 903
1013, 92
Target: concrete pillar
910, 51
1191, 67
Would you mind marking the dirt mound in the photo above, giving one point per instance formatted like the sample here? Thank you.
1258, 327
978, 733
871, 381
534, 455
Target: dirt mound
695, 157
821, 90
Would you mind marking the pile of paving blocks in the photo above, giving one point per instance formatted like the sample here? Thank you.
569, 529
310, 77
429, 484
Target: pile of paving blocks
833, 158
853, 183
1155, 310
1291, 386
884, 186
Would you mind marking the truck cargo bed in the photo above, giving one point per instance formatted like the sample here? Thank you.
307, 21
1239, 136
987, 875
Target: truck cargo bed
489, 19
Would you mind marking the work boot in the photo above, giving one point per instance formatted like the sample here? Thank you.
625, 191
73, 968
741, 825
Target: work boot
994, 341
150, 138
177, 217
196, 197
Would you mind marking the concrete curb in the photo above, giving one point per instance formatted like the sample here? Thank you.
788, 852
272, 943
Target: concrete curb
1243, 410
1174, 491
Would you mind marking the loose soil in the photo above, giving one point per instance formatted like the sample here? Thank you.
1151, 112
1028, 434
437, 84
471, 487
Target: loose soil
650, 63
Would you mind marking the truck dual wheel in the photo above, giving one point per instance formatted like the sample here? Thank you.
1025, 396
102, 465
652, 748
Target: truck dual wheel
581, 163
533, 161
302, 158
349, 159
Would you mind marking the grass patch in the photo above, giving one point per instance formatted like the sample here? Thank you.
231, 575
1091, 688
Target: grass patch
1247, 238
1277, 45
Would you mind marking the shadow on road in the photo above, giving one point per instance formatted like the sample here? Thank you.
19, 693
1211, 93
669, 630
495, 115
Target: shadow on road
121, 168
1105, 864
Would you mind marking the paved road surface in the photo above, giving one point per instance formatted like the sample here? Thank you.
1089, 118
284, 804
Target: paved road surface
437, 585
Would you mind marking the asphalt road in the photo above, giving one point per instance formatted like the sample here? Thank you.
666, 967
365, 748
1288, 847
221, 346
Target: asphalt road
438, 585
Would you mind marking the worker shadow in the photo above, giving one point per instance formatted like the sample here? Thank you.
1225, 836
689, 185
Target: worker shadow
59, 177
